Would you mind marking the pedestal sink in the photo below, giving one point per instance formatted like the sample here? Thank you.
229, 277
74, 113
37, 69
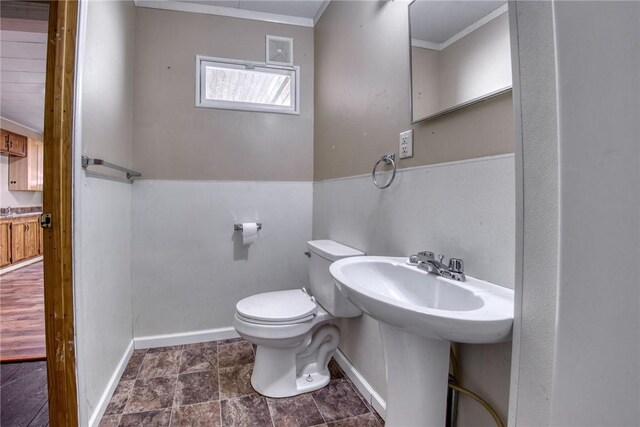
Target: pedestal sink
420, 314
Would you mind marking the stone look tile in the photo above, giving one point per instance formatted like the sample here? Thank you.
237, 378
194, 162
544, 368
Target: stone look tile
297, 411
181, 385
366, 402
200, 345
160, 364
196, 387
199, 415
198, 359
235, 354
236, 381
229, 341
248, 411
140, 351
109, 421
335, 370
159, 418
133, 367
151, 394
338, 400
366, 420
119, 398
163, 349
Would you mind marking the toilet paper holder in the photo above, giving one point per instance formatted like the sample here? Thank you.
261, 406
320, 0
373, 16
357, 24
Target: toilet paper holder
238, 227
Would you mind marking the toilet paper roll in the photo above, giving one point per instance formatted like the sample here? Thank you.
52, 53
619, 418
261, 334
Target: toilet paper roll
249, 232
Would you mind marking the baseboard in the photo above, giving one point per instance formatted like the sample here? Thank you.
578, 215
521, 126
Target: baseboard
98, 412
191, 337
362, 385
21, 264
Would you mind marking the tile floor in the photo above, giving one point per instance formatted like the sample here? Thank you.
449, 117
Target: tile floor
209, 384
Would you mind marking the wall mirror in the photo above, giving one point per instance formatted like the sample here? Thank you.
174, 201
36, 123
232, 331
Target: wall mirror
460, 54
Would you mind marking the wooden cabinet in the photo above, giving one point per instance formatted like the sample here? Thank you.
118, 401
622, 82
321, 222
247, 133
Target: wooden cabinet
4, 143
17, 242
20, 239
25, 173
31, 238
13, 144
5, 243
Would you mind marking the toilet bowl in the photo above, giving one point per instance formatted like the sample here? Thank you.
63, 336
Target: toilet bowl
295, 330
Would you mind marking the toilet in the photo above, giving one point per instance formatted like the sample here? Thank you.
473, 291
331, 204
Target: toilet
295, 330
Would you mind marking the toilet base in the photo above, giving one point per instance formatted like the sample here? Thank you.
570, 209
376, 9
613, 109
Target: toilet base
286, 372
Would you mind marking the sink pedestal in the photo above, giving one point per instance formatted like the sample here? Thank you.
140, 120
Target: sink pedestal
417, 372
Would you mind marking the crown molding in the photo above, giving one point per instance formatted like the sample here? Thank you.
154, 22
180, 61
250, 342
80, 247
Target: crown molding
323, 7
226, 11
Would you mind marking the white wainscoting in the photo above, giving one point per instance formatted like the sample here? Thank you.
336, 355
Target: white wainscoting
461, 209
189, 266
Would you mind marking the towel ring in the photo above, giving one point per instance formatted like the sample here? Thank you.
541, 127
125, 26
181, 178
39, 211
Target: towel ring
388, 159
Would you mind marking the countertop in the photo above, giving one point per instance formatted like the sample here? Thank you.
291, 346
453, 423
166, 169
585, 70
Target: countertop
20, 215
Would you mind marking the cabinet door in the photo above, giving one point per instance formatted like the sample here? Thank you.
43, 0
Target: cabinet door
17, 145
4, 142
5, 244
40, 239
31, 238
39, 166
18, 230
25, 173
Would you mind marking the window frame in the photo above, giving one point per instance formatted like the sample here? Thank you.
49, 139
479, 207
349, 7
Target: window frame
201, 63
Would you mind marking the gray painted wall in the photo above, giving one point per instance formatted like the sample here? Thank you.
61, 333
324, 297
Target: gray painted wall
362, 94
206, 169
175, 140
358, 115
102, 209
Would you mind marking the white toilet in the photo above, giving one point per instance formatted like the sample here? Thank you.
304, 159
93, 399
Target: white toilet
294, 330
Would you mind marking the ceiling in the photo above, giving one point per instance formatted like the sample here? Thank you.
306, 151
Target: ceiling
23, 51
299, 8
438, 21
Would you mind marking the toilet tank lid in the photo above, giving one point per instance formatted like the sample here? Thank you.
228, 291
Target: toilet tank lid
332, 250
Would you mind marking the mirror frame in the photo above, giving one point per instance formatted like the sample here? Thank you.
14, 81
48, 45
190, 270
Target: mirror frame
459, 106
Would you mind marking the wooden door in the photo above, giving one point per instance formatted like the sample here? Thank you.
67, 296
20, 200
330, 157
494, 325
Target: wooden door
31, 238
57, 201
5, 244
18, 230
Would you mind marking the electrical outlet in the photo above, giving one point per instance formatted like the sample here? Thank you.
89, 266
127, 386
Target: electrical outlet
406, 144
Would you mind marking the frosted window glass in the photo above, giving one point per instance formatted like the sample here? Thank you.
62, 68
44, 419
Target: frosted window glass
255, 87
246, 86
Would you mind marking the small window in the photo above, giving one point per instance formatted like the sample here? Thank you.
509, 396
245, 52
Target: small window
246, 86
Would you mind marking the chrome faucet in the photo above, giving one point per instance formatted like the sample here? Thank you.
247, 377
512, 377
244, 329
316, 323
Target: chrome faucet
426, 261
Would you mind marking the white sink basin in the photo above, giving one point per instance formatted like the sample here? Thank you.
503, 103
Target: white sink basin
419, 314
424, 304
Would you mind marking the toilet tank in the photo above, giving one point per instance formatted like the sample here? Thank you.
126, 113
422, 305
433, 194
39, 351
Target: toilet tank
323, 253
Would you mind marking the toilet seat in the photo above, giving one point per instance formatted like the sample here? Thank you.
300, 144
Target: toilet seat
280, 307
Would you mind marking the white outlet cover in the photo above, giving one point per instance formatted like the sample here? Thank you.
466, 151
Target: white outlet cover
406, 144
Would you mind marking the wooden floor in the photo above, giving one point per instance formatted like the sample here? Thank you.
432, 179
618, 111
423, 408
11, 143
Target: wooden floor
23, 394
22, 314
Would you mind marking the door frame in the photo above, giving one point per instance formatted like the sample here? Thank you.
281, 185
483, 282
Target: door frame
57, 201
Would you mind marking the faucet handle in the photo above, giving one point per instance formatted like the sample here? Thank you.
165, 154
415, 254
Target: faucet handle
456, 265
425, 256
441, 257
